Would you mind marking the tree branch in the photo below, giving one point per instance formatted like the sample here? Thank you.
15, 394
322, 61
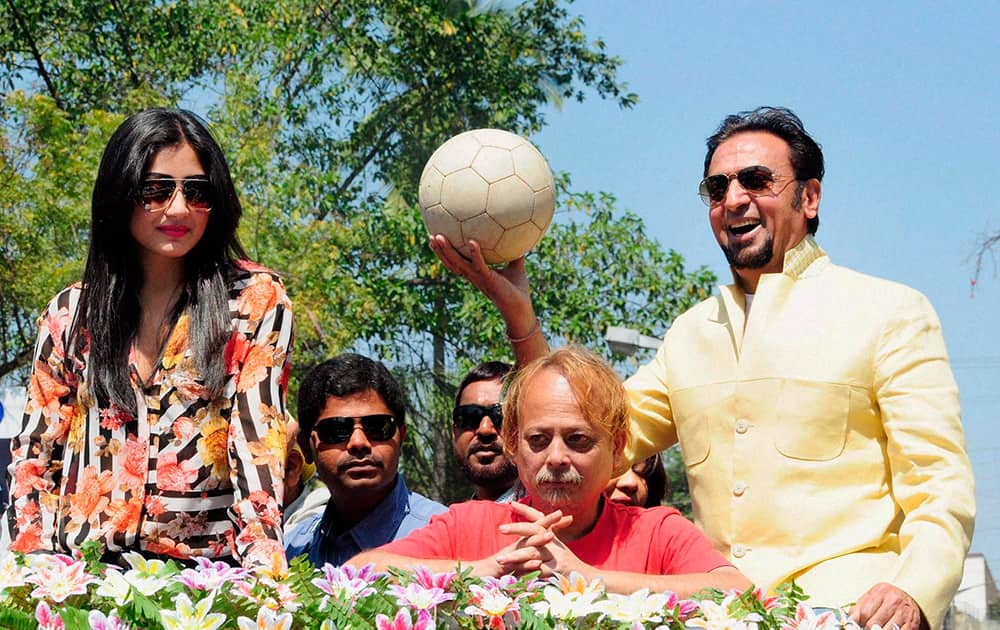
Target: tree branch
987, 246
39, 62
123, 37
20, 359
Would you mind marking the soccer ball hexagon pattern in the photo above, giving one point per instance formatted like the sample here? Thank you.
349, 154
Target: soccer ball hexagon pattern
491, 186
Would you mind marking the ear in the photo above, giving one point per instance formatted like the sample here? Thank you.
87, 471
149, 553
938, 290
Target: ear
305, 445
811, 193
310, 455
402, 433
294, 464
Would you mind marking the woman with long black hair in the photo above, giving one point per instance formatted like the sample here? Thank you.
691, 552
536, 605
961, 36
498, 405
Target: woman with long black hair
155, 419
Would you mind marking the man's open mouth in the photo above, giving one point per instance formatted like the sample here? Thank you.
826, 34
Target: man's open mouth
745, 227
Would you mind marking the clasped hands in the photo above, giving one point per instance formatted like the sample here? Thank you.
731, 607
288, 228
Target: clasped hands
537, 549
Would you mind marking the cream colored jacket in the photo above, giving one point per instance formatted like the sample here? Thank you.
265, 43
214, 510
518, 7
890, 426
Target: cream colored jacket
821, 434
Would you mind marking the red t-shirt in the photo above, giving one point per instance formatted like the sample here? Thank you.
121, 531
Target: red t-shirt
656, 541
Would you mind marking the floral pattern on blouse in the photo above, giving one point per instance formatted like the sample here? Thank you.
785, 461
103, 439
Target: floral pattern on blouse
189, 476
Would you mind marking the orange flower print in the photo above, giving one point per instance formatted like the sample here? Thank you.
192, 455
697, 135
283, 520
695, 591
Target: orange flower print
220, 546
271, 451
58, 426
259, 360
174, 476
28, 477
177, 343
154, 506
44, 391
114, 417
74, 417
29, 529
90, 498
50, 501
236, 352
212, 446
252, 531
135, 464
28, 515
168, 547
258, 297
183, 428
266, 508
56, 324
252, 266
187, 386
123, 516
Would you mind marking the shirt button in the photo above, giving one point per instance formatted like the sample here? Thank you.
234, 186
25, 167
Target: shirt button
742, 426
739, 488
739, 551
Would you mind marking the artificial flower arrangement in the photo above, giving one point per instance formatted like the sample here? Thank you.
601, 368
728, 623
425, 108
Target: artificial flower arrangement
57, 592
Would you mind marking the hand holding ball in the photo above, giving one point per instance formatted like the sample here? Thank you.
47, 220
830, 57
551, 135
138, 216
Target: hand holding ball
491, 186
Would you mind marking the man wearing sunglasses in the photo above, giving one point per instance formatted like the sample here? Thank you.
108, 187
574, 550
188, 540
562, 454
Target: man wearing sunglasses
352, 425
815, 407
477, 422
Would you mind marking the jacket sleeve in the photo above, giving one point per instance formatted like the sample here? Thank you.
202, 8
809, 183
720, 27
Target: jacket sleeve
652, 425
258, 358
29, 523
930, 470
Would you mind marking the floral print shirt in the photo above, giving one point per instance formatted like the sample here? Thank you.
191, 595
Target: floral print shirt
191, 475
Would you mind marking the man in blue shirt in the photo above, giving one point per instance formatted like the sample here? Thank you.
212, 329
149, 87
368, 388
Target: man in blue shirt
352, 425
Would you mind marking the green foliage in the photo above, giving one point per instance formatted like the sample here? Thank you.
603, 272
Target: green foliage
88, 55
993, 609
327, 113
16, 619
47, 166
678, 494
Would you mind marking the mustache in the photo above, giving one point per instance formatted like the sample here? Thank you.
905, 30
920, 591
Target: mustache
477, 447
371, 460
570, 476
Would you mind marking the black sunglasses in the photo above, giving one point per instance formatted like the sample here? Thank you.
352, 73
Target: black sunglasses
469, 417
756, 180
156, 193
378, 427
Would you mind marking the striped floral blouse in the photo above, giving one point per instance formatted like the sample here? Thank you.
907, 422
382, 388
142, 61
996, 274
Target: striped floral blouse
191, 475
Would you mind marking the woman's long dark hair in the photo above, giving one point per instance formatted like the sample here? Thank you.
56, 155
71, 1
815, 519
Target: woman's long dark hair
109, 309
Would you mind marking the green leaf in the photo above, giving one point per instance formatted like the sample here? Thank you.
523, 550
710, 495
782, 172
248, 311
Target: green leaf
16, 620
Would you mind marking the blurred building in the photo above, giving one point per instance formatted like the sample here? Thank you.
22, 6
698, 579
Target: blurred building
970, 608
11, 408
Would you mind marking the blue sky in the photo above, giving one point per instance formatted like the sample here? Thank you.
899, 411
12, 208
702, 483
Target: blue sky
903, 96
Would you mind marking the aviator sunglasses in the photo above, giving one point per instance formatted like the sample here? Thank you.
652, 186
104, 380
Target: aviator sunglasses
377, 427
758, 181
156, 193
468, 417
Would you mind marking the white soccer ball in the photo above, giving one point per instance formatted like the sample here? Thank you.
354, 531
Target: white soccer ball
491, 186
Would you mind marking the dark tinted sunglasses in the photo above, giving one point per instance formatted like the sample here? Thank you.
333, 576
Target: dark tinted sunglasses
156, 193
756, 180
468, 417
378, 427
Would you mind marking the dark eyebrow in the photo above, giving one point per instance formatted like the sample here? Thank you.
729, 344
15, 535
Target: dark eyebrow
155, 175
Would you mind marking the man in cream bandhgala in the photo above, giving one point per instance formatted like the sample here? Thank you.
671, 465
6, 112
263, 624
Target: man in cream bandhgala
815, 407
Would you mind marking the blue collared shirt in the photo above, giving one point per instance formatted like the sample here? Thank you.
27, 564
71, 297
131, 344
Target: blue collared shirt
399, 513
